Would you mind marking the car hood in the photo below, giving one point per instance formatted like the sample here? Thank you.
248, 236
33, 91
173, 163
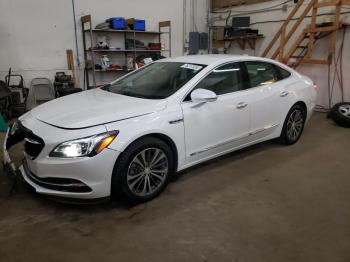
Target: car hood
94, 107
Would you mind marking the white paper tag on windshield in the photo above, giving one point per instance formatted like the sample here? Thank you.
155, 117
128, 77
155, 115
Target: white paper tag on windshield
192, 67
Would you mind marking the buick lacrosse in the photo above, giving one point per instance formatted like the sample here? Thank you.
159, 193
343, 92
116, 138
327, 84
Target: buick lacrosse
131, 135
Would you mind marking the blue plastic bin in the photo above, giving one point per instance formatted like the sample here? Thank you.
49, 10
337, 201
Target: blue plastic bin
139, 25
136, 24
117, 22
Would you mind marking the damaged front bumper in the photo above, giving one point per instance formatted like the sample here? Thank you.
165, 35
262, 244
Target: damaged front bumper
86, 178
13, 136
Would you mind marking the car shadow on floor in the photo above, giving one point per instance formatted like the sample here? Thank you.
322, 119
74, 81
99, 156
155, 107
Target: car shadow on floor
22, 191
229, 158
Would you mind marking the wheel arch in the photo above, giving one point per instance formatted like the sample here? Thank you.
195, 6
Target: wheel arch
303, 105
165, 138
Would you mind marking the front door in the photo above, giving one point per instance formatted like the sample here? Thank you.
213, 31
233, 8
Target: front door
213, 128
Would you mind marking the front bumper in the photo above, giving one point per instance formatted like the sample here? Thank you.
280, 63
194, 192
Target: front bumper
76, 178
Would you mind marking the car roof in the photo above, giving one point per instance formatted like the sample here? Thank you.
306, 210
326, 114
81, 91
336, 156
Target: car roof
209, 59
217, 59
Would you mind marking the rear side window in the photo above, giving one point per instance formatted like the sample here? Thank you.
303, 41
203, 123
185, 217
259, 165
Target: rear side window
261, 73
282, 73
223, 80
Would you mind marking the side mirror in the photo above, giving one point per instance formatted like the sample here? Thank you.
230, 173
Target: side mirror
201, 95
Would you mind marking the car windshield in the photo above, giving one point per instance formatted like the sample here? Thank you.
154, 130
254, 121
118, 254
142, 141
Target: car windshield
155, 81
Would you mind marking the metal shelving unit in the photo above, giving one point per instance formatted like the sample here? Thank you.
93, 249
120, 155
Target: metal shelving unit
90, 52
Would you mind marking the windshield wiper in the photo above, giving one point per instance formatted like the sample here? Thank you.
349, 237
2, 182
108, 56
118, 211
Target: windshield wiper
106, 87
128, 93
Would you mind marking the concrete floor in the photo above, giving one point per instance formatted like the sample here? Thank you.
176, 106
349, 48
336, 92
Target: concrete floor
265, 203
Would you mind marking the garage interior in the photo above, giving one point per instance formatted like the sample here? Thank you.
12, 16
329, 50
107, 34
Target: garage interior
267, 202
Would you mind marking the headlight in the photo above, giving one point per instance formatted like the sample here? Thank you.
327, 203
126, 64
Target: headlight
87, 146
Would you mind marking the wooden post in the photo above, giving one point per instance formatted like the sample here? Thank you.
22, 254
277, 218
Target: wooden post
282, 42
70, 62
295, 45
290, 16
295, 25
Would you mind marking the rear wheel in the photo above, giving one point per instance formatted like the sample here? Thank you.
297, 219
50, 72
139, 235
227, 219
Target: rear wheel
143, 170
293, 125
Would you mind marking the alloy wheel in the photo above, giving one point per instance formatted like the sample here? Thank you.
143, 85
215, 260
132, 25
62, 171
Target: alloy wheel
295, 124
345, 110
147, 171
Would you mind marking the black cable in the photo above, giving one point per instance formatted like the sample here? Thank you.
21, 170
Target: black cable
282, 20
329, 86
341, 64
338, 75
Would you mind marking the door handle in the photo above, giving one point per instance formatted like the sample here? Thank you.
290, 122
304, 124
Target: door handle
241, 105
284, 93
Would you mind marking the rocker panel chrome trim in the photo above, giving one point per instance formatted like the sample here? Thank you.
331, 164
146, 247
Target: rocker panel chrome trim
235, 139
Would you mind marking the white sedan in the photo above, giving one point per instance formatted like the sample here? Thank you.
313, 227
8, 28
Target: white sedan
128, 137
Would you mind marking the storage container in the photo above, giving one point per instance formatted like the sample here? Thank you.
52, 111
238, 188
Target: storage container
117, 22
136, 24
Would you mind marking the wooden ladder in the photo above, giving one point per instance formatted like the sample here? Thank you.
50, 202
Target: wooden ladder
301, 50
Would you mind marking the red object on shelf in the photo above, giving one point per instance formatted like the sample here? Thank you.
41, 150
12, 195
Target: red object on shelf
154, 46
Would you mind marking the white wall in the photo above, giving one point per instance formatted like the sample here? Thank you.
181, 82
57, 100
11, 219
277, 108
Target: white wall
35, 34
317, 72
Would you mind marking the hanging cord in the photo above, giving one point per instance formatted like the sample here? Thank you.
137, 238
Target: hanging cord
329, 87
341, 64
75, 34
338, 74
320, 108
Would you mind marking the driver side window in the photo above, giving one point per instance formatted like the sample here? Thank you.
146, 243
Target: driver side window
222, 80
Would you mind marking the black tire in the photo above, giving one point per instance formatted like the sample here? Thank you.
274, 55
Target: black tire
286, 136
122, 168
340, 116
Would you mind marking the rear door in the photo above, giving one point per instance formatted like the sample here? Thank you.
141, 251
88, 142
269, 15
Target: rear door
266, 93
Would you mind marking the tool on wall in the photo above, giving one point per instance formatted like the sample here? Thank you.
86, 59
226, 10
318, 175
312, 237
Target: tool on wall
70, 63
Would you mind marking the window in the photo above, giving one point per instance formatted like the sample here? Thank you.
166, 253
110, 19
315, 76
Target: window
261, 73
156, 81
223, 80
282, 73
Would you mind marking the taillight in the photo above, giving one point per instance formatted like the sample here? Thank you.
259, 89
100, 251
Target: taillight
314, 86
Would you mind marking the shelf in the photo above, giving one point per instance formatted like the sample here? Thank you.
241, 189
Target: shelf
126, 50
242, 40
234, 38
123, 31
90, 53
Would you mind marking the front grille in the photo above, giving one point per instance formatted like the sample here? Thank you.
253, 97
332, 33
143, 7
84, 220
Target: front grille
32, 143
57, 183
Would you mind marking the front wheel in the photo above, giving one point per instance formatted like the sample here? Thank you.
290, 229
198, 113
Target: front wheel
293, 125
143, 170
